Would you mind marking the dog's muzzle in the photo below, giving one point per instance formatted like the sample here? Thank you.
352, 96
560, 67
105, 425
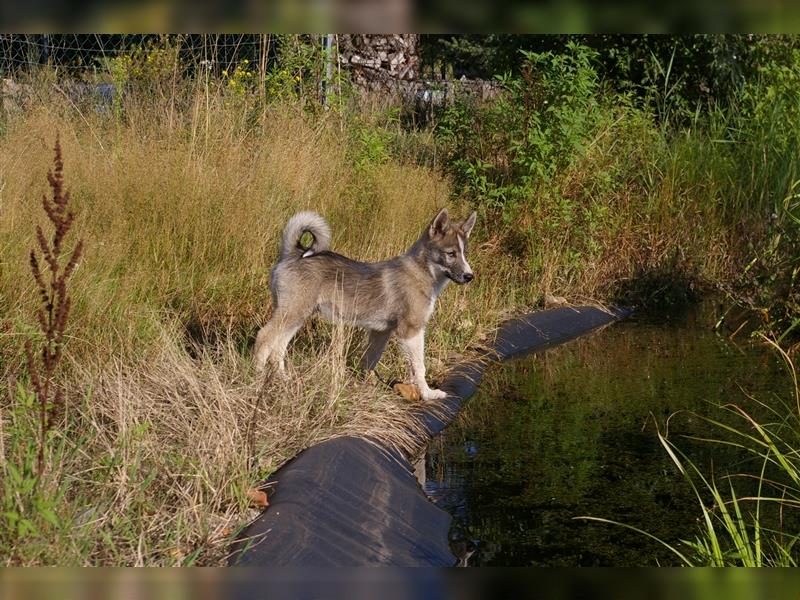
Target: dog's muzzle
464, 278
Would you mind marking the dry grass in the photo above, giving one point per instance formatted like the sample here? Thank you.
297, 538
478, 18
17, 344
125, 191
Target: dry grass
178, 230
167, 426
174, 443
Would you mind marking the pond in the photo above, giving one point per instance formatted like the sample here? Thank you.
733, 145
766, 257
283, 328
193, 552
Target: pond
572, 432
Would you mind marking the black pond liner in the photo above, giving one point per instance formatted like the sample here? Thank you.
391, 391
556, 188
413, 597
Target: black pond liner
351, 502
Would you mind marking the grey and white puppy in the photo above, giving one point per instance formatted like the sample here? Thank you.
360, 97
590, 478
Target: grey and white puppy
393, 296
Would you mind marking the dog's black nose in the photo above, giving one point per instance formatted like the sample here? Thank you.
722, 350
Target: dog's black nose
468, 277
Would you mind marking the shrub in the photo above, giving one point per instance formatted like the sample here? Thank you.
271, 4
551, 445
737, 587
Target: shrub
502, 152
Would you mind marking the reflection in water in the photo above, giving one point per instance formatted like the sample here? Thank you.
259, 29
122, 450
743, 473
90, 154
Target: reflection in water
571, 432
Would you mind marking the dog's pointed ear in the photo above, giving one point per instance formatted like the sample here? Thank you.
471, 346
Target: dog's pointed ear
466, 226
439, 224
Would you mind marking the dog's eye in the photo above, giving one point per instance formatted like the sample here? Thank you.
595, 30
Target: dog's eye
451, 253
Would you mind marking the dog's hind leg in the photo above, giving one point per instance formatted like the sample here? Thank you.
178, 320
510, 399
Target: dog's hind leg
375, 346
272, 341
282, 342
264, 341
414, 348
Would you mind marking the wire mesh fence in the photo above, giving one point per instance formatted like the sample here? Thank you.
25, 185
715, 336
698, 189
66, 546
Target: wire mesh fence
81, 54
356, 68
369, 57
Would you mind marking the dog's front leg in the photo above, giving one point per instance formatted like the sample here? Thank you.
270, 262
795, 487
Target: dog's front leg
414, 348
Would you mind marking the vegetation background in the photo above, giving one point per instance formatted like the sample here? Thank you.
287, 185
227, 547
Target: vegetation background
637, 169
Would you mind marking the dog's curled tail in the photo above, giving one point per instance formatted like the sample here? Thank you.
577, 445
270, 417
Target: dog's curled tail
294, 246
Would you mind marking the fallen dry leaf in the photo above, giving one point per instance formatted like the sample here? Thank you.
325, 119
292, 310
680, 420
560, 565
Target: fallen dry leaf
258, 498
551, 301
409, 391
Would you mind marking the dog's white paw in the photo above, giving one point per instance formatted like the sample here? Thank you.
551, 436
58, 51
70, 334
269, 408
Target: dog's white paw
431, 394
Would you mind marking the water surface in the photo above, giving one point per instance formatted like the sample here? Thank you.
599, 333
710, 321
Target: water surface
571, 432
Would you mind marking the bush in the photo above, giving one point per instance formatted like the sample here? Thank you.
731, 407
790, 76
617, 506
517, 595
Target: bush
536, 129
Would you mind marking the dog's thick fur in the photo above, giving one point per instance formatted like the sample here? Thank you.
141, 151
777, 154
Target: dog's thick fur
394, 296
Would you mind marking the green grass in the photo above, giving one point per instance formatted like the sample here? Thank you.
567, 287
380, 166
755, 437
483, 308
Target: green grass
612, 195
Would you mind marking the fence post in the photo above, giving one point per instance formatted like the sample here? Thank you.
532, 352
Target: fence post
328, 67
